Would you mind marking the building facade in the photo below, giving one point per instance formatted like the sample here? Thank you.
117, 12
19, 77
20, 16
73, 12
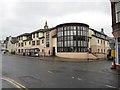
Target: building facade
115, 8
10, 44
72, 40
22, 43
98, 43
68, 40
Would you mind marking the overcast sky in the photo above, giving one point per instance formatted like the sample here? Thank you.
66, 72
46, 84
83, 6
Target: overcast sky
21, 16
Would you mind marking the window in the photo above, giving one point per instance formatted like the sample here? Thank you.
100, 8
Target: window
25, 43
47, 39
101, 51
98, 51
21, 50
29, 42
33, 35
117, 5
33, 42
37, 34
18, 50
98, 41
65, 28
101, 41
42, 40
38, 42
118, 39
73, 39
21, 44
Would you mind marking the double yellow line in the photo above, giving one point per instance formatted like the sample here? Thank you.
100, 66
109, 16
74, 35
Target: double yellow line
13, 82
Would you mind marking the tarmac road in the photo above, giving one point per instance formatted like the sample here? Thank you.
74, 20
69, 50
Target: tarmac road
32, 72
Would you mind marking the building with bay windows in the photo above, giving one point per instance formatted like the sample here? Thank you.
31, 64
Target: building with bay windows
115, 8
72, 40
68, 40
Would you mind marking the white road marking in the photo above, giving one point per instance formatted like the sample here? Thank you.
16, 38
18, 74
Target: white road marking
50, 72
110, 86
73, 77
79, 78
13, 82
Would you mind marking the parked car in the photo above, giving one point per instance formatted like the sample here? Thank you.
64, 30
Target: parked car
32, 52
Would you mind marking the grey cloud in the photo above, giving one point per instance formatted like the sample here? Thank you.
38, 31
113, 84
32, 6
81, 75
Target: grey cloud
30, 16
52, 9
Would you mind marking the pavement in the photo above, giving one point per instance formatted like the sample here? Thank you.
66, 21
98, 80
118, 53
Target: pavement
55, 72
59, 59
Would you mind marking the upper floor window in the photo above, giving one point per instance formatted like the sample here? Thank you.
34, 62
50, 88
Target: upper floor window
98, 50
98, 40
38, 42
25, 43
37, 35
117, 7
47, 39
33, 42
42, 40
29, 42
21, 38
21, 44
18, 44
104, 42
118, 39
33, 35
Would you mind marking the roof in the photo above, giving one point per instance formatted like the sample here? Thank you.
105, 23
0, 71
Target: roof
24, 34
6, 40
73, 23
49, 29
14, 40
98, 32
37, 31
43, 30
54, 36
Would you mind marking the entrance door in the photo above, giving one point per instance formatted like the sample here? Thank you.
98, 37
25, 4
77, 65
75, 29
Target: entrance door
53, 51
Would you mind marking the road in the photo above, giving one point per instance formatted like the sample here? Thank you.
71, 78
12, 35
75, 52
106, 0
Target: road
32, 72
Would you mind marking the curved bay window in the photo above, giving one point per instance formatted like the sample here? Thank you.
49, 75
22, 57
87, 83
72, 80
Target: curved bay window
72, 38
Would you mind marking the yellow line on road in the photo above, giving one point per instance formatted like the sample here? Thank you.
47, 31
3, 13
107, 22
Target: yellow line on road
16, 84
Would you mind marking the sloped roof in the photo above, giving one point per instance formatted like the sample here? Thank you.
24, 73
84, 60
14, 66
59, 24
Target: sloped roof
14, 40
24, 34
40, 30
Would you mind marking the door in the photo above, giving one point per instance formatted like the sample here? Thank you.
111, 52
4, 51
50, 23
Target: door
53, 51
